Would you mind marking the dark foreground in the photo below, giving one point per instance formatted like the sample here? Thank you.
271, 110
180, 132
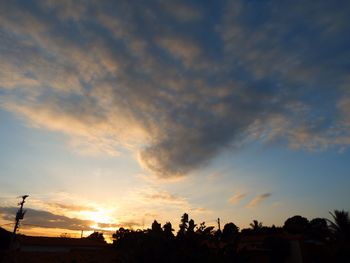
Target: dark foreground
299, 240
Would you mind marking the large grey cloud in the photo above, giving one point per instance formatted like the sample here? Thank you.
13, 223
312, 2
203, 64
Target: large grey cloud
175, 84
45, 219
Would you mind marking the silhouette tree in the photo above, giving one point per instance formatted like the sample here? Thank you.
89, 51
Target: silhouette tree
340, 225
230, 232
183, 225
96, 236
201, 244
168, 229
202, 229
296, 225
120, 234
319, 229
256, 225
65, 235
191, 226
156, 227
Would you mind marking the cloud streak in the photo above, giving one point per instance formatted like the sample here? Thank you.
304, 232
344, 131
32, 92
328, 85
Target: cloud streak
177, 89
164, 197
258, 200
235, 199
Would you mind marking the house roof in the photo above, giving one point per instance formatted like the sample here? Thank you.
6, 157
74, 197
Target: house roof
58, 241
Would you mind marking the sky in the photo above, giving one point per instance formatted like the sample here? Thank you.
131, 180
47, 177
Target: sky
116, 113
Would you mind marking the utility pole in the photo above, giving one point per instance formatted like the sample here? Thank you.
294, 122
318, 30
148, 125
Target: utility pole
19, 215
219, 224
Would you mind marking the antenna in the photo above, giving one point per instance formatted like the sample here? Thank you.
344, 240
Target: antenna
20, 215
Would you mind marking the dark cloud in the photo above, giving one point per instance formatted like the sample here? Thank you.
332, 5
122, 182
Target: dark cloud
44, 219
178, 88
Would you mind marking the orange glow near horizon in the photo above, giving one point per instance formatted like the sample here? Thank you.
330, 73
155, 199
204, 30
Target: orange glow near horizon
59, 232
99, 216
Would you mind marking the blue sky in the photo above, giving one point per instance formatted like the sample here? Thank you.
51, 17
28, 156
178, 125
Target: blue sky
118, 113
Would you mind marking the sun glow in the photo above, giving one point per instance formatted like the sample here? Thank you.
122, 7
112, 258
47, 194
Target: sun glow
98, 216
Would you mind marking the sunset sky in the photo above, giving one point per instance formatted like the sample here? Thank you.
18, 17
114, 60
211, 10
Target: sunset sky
116, 113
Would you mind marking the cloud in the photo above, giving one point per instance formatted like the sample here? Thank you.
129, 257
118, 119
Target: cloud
200, 210
258, 200
45, 219
66, 9
182, 11
69, 207
164, 198
92, 141
183, 49
124, 224
344, 107
236, 198
177, 90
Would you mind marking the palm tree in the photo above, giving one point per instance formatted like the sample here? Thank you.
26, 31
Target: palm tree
256, 225
340, 224
183, 225
168, 229
191, 226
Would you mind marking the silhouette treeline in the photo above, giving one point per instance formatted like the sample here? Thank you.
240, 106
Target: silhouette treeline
320, 240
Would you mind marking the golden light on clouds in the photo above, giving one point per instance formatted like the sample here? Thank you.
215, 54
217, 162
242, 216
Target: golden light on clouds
258, 199
99, 216
116, 113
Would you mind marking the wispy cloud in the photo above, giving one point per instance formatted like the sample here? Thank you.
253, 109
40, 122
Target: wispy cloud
182, 11
258, 200
70, 207
200, 210
180, 48
162, 197
236, 198
124, 224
